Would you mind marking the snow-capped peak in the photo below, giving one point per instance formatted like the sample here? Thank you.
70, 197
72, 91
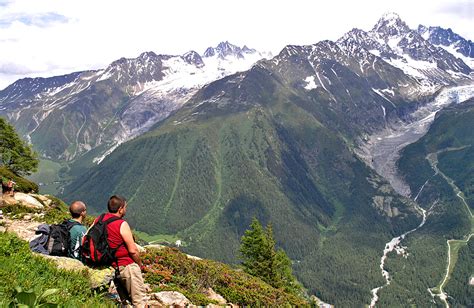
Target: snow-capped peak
192, 57
391, 25
226, 49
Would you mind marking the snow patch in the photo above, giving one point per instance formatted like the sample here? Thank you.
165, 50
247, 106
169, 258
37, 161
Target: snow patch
413, 67
105, 76
375, 52
310, 83
452, 50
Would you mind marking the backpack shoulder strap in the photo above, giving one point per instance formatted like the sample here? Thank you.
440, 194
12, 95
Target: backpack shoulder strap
111, 219
69, 224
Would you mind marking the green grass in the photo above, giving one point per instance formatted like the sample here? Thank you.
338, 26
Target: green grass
157, 238
47, 171
19, 267
48, 176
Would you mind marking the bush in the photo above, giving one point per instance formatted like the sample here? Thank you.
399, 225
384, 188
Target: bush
170, 269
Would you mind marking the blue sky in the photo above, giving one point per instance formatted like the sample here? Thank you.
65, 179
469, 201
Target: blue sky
51, 37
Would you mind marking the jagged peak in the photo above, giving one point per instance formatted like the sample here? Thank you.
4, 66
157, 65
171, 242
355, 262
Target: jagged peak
147, 55
210, 52
390, 24
355, 34
118, 62
422, 29
224, 49
246, 49
192, 57
326, 44
429, 30
290, 50
191, 53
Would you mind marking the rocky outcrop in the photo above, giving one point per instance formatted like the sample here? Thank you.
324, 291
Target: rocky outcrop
24, 228
27, 200
97, 277
170, 298
211, 294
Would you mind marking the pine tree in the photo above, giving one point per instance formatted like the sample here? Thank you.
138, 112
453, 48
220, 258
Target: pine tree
15, 154
260, 258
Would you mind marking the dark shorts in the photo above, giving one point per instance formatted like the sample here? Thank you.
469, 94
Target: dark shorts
5, 188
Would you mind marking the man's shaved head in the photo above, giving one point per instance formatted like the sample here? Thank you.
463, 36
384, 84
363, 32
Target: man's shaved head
76, 208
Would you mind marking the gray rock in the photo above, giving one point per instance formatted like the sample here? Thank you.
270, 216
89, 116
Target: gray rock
170, 298
211, 294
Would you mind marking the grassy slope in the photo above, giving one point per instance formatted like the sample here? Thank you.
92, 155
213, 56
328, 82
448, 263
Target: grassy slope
20, 267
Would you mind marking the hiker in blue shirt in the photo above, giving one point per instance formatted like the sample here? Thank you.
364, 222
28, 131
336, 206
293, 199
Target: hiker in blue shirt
78, 213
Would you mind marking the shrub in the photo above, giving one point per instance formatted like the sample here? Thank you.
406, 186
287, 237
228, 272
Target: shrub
170, 269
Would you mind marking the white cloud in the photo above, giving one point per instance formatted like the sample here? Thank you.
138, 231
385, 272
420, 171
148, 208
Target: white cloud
94, 33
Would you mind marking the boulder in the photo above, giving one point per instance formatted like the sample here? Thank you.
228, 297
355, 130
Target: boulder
23, 199
40, 197
170, 298
98, 277
154, 303
211, 294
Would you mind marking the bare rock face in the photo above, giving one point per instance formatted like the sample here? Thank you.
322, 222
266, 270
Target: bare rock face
170, 298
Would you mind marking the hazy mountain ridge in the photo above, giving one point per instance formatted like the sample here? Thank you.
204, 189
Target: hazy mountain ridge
130, 95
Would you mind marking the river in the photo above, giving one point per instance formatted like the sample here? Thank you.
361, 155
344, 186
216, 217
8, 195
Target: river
382, 150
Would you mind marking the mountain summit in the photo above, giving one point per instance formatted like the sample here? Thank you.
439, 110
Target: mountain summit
391, 25
106, 107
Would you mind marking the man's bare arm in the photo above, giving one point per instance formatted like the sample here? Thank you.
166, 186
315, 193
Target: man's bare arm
130, 243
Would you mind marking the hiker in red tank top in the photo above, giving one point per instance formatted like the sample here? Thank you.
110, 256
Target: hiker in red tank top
128, 257
115, 240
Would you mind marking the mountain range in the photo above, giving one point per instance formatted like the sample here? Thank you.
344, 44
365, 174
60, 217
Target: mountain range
68, 116
207, 149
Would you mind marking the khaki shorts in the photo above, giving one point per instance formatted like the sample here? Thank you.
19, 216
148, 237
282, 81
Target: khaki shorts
132, 278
